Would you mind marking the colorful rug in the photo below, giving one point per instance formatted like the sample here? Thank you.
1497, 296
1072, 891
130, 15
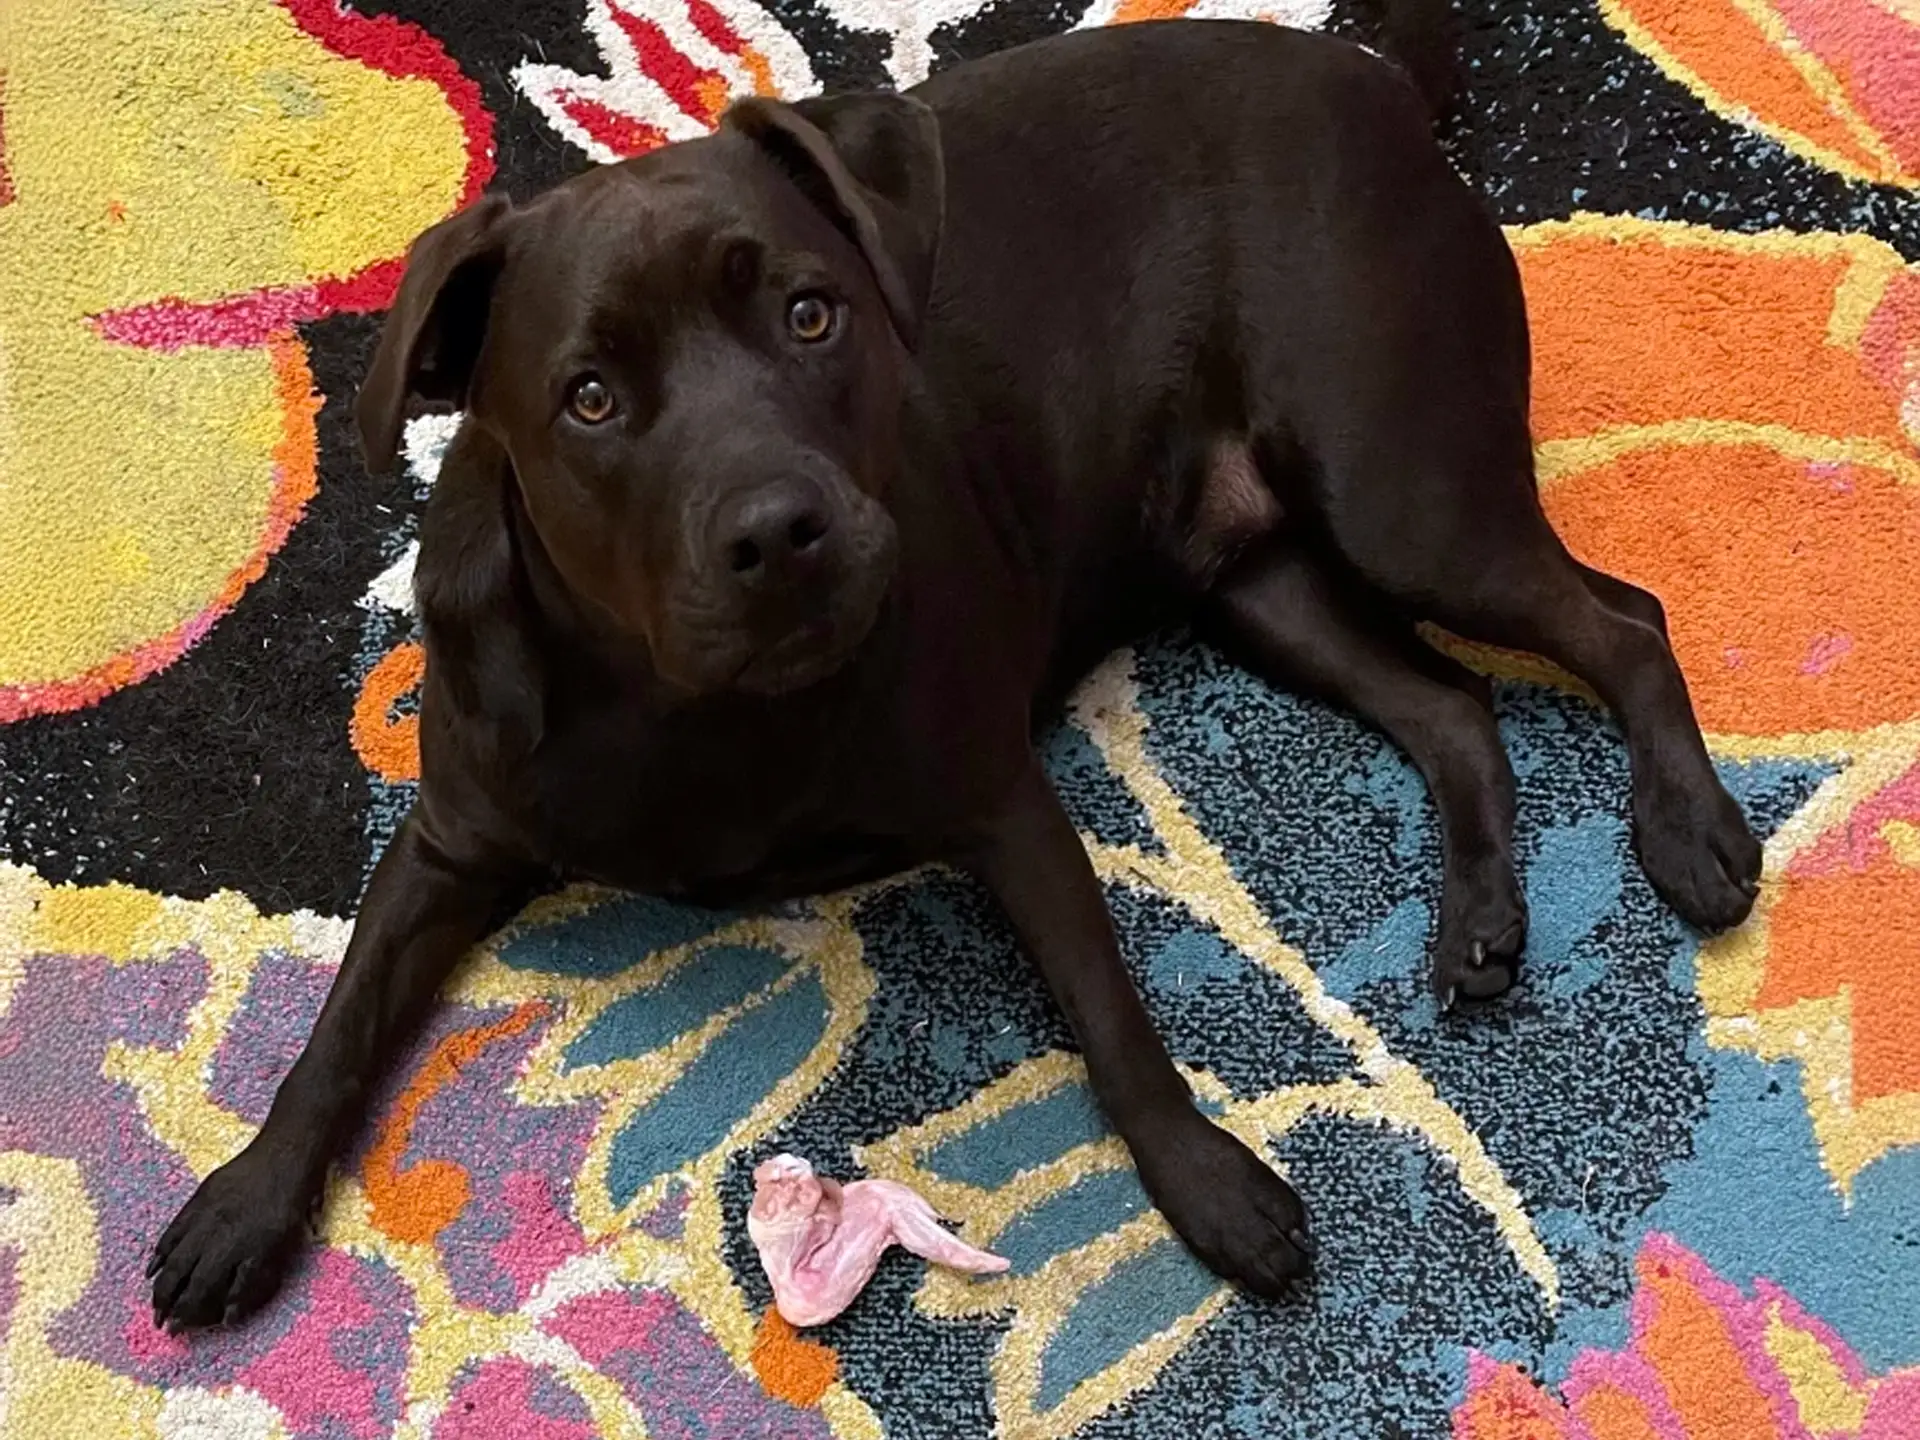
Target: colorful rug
1667, 1191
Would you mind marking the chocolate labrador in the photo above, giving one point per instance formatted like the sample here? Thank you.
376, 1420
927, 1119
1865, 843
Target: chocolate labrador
805, 465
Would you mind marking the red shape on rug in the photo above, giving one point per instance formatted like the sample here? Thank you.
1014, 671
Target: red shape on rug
393, 47
621, 134
693, 89
6, 177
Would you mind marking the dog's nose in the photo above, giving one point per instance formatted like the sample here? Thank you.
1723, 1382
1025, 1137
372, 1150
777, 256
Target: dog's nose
775, 533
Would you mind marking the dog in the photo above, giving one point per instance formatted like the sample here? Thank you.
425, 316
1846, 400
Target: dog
806, 465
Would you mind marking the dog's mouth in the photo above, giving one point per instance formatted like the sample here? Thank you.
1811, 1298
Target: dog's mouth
780, 642
817, 645
805, 656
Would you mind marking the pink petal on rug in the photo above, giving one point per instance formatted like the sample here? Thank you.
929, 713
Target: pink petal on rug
302, 1376
497, 1402
1894, 1412
542, 1238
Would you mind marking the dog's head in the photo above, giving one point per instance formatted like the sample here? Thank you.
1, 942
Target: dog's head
695, 362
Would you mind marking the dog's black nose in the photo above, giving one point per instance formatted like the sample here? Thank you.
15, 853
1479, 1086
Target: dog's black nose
775, 533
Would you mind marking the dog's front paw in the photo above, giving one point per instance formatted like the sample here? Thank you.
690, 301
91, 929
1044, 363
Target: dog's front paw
226, 1251
1483, 928
1699, 853
1243, 1221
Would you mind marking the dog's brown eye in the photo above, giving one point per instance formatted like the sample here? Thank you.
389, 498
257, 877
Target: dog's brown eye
590, 400
810, 318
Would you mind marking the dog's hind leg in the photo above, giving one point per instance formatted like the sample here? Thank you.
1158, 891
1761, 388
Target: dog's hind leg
1629, 599
1452, 528
1293, 624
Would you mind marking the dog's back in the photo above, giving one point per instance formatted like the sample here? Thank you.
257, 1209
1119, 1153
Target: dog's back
1157, 238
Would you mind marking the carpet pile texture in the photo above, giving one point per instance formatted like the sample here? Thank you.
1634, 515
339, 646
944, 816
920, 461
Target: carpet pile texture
1667, 1191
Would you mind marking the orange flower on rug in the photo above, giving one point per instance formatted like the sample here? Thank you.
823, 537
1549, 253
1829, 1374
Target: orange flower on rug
1705, 1363
1835, 81
1729, 420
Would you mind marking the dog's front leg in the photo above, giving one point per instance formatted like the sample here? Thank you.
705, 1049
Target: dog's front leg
225, 1253
1239, 1217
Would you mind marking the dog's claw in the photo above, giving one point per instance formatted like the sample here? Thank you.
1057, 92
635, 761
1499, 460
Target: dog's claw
224, 1253
1478, 956
1303, 1242
1446, 1001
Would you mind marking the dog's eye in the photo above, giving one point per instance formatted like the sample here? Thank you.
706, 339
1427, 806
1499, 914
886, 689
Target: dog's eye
811, 318
590, 400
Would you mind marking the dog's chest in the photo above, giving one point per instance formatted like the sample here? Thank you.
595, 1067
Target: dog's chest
709, 816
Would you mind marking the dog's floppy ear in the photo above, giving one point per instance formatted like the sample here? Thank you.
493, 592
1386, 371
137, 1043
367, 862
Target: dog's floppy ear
468, 590
434, 330
871, 161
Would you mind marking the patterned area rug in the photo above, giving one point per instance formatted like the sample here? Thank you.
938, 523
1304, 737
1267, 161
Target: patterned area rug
1667, 1191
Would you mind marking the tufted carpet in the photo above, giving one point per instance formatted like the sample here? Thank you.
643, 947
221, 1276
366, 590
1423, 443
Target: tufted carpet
1668, 1191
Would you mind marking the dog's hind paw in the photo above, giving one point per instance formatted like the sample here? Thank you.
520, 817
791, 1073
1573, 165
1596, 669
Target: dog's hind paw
1700, 855
1477, 955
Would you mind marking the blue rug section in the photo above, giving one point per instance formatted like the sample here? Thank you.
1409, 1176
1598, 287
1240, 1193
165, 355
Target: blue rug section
1135, 1300
732, 1075
1589, 1086
1753, 1201
605, 939
1094, 1206
725, 976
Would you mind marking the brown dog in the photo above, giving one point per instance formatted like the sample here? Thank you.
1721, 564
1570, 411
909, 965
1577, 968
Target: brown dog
806, 464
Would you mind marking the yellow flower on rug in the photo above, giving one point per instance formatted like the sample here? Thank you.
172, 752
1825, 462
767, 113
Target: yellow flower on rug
179, 185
